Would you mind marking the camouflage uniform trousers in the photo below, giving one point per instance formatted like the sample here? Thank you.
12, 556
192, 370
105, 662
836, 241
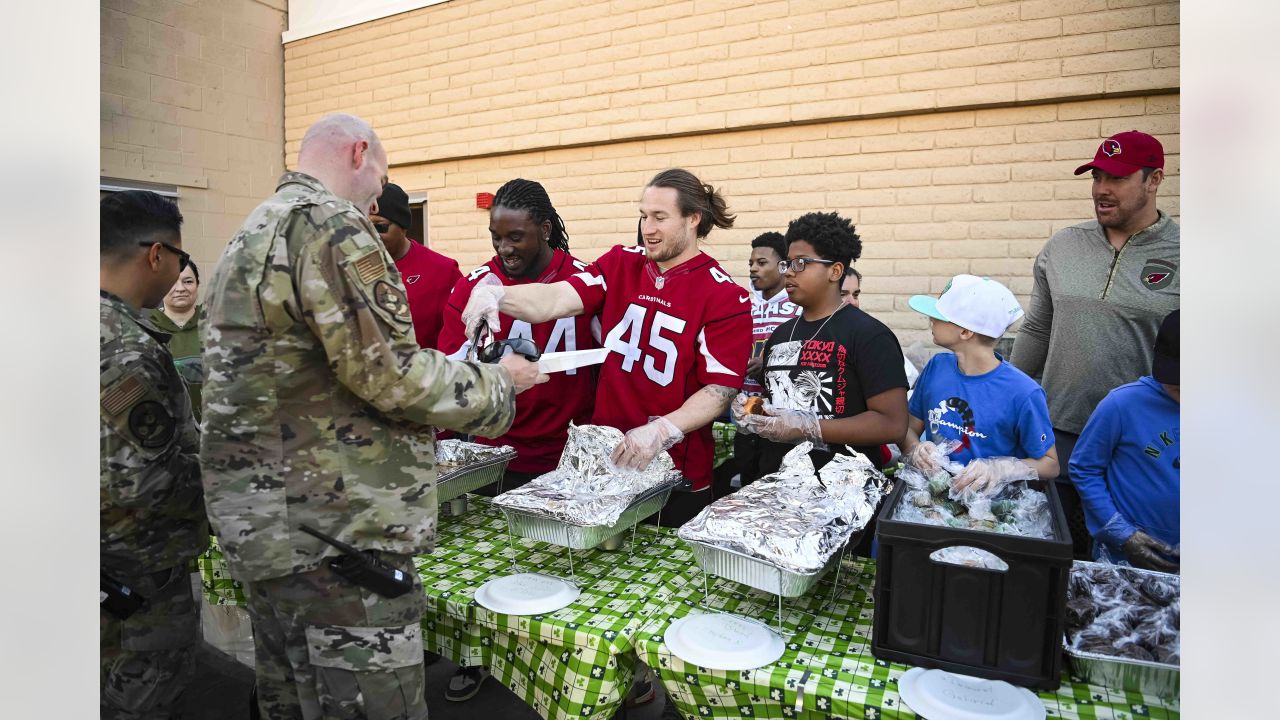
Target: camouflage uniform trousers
147, 659
326, 648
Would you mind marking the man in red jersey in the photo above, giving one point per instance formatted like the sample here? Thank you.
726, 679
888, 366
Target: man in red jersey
678, 326
532, 247
428, 275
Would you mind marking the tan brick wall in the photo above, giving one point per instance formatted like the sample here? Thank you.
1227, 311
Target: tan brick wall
932, 195
475, 77
946, 129
193, 96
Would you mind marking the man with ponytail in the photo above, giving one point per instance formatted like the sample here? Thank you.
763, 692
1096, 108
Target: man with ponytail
678, 325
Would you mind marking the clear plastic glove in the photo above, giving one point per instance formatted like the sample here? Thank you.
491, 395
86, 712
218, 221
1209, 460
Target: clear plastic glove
923, 457
641, 445
738, 411
988, 476
788, 426
1146, 552
486, 297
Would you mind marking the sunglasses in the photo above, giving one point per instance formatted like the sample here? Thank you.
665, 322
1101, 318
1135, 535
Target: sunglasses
799, 264
183, 258
521, 346
382, 228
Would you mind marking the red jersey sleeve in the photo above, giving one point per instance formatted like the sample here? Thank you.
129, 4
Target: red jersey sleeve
723, 348
593, 283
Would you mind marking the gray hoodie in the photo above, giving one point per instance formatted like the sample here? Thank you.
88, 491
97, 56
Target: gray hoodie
1094, 314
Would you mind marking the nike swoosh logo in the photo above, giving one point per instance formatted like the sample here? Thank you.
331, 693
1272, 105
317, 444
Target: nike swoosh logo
744, 298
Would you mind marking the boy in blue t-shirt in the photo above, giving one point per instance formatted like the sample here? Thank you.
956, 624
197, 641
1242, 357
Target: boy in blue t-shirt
972, 394
1127, 463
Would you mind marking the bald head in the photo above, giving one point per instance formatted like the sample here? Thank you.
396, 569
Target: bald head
345, 154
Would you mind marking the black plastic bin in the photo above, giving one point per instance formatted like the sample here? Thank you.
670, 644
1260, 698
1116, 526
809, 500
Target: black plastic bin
1001, 625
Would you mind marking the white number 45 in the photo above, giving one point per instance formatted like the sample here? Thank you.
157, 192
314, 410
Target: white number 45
624, 339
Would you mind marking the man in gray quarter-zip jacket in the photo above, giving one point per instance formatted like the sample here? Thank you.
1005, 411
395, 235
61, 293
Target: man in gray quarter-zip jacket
1101, 289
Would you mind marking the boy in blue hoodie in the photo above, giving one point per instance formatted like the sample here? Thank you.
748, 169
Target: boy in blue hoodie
972, 394
1126, 464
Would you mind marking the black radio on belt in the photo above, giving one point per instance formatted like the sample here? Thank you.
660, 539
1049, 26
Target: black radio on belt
365, 569
119, 599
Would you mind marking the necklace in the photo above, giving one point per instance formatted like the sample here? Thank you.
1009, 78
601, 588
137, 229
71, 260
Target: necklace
792, 336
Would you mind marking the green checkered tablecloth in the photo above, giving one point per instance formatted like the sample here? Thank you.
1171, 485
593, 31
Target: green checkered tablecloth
828, 654
219, 587
576, 662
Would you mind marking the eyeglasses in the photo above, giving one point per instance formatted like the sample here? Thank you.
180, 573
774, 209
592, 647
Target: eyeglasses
183, 258
800, 263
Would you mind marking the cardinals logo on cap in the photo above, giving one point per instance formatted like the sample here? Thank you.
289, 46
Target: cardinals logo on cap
1110, 147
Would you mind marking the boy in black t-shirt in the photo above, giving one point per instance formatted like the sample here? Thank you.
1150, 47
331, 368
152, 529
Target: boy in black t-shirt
833, 375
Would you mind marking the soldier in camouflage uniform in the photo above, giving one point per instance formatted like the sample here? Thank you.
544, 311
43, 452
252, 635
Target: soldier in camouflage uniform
318, 411
152, 515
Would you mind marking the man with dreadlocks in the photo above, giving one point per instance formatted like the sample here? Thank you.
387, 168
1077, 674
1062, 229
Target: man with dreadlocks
531, 246
678, 325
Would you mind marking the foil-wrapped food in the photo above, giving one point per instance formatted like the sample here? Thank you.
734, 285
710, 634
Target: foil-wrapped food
586, 488
795, 518
1124, 612
453, 454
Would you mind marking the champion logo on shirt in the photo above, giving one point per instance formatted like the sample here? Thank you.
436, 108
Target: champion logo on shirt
957, 408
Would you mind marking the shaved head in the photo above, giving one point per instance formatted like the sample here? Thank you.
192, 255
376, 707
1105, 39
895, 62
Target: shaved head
344, 153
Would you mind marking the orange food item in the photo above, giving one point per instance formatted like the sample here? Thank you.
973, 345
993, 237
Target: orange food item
754, 406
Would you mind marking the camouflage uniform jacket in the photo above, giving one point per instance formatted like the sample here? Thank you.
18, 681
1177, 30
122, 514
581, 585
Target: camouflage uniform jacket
152, 515
318, 403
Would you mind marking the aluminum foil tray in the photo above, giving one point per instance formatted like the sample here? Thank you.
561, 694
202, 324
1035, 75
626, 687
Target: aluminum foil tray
472, 477
1140, 676
534, 526
759, 574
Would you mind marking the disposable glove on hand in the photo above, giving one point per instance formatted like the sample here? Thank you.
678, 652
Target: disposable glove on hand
923, 457
1144, 551
788, 426
738, 411
988, 476
486, 297
641, 445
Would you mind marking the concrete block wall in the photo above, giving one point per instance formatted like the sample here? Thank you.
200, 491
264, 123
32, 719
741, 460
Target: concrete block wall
193, 95
975, 191
947, 129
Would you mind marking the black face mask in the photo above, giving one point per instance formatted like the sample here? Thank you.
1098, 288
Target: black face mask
382, 227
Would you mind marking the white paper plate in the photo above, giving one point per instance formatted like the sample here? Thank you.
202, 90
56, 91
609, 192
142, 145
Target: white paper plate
527, 594
721, 641
940, 695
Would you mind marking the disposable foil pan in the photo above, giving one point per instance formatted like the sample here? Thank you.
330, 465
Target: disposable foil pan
534, 526
759, 574
469, 478
1140, 676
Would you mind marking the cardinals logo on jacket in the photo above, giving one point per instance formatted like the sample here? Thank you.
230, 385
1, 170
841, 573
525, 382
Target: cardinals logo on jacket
1158, 274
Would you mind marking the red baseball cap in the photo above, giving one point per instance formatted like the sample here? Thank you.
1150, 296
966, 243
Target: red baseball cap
1126, 153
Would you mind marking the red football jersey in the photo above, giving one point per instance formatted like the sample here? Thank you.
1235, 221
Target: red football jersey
670, 334
428, 278
543, 412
